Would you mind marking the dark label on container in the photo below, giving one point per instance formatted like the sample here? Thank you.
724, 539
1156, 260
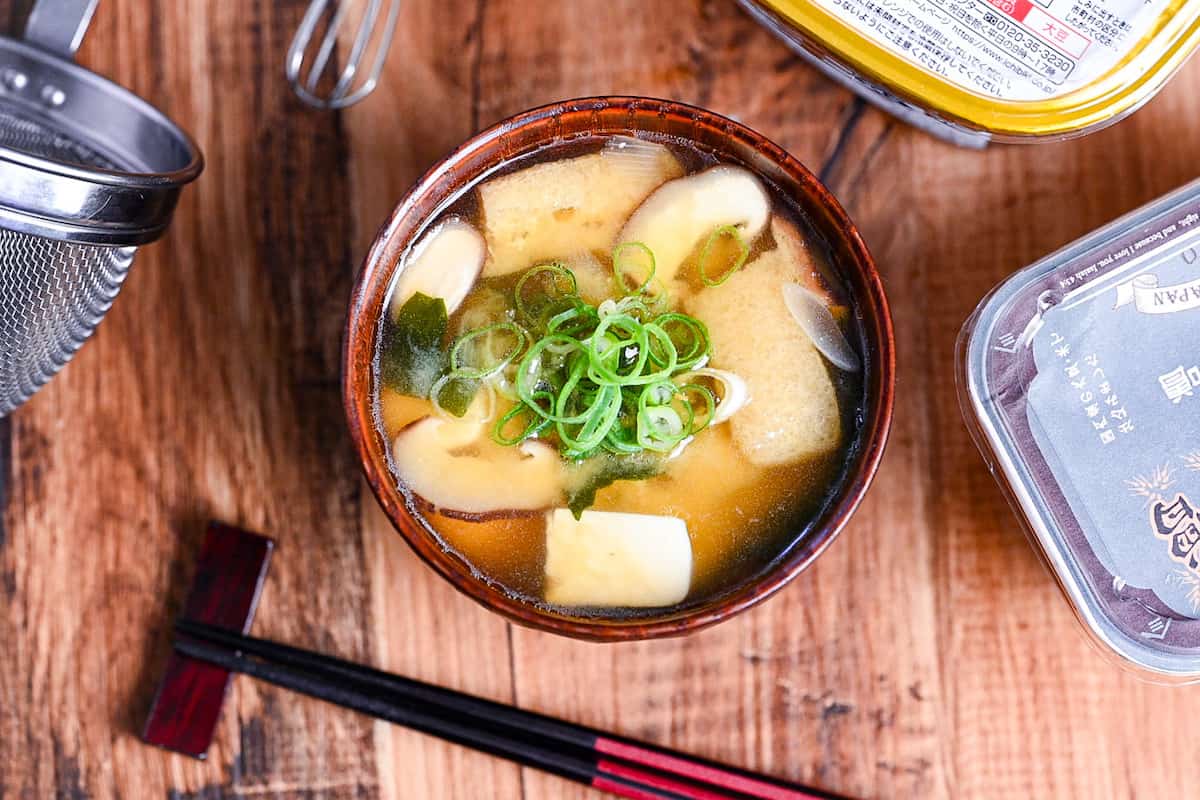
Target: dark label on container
1095, 369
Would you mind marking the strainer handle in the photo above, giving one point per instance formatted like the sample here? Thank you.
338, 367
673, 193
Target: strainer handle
59, 25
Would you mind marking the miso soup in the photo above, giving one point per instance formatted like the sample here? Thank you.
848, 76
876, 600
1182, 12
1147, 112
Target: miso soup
619, 376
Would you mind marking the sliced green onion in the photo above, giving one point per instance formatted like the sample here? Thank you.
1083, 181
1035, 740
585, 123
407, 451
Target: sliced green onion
665, 355
562, 282
536, 424
743, 252
617, 360
577, 319
592, 378
690, 338
581, 442
710, 405
492, 365
619, 266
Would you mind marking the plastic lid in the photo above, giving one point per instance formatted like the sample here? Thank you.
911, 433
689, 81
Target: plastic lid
1081, 380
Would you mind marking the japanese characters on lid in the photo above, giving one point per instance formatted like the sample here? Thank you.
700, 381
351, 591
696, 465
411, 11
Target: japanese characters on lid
975, 70
1080, 378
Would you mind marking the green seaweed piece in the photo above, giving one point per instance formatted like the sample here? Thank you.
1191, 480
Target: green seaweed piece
585, 478
414, 357
457, 394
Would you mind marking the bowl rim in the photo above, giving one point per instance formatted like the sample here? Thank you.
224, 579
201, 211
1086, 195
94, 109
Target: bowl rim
358, 367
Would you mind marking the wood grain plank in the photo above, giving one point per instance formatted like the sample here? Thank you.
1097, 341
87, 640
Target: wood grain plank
211, 390
885, 662
926, 655
1013, 668
784, 688
1029, 694
423, 628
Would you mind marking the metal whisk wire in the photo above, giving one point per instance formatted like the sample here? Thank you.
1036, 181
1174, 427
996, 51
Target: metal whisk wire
351, 85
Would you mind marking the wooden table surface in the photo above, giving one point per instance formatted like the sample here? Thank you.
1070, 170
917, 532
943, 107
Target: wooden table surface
926, 655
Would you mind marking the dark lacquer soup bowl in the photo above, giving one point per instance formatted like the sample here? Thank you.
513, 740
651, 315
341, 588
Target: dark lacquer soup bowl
580, 124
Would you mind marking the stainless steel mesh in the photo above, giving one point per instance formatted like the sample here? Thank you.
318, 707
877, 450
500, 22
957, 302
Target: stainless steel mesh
38, 139
52, 293
52, 296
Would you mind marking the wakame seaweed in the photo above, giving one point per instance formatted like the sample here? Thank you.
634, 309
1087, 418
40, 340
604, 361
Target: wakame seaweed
597, 472
414, 358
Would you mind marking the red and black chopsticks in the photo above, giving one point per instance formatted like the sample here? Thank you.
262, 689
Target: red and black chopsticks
621, 766
229, 576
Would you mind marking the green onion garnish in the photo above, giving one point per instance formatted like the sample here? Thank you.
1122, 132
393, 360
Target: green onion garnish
592, 379
743, 252
469, 348
622, 262
562, 285
517, 412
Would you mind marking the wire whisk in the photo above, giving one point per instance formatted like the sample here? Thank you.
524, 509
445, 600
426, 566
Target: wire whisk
352, 83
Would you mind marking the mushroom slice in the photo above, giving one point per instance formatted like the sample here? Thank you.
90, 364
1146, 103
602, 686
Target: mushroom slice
455, 468
616, 560
445, 263
683, 212
555, 208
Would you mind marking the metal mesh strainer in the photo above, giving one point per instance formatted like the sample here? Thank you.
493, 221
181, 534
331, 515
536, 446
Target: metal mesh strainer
55, 293
87, 172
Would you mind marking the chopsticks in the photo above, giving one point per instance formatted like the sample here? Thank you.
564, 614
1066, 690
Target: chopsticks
624, 767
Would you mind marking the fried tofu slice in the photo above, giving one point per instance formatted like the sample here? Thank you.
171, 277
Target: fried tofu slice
593, 280
794, 249
557, 208
793, 411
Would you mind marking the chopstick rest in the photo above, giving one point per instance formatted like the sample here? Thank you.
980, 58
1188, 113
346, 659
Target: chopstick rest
230, 571
208, 647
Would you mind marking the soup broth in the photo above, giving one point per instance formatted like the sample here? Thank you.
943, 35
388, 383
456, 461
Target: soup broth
618, 376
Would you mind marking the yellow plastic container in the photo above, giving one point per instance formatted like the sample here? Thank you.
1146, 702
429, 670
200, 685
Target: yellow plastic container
975, 71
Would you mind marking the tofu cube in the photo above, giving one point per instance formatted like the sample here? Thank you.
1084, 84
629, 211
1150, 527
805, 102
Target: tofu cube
616, 560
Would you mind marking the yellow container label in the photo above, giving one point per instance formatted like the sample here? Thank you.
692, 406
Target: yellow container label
1017, 67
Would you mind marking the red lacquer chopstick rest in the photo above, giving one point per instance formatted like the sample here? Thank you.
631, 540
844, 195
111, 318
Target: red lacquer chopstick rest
228, 580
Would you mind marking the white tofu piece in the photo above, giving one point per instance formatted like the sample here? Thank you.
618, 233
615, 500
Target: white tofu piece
612, 559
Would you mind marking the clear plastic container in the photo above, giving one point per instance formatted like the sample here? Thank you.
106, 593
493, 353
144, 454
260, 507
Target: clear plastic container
974, 71
1079, 377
